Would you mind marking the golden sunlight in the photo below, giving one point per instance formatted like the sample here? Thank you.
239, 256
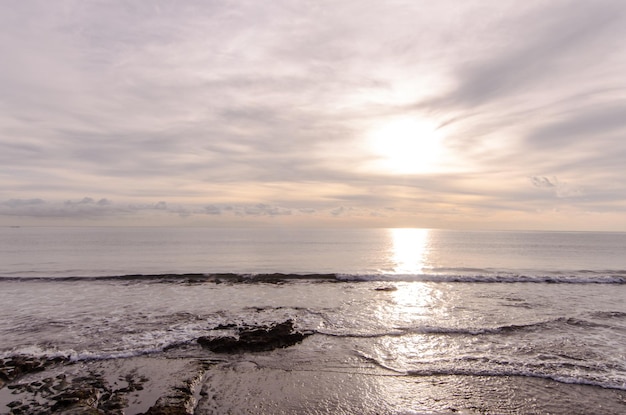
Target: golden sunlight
410, 250
406, 146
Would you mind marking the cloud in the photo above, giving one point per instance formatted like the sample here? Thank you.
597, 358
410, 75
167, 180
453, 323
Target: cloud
262, 209
83, 201
17, 203
212, 210
541, 79
338, 211
599, 125
560, 189
539, 48
543, 182
88, 208
83, 208
222, 111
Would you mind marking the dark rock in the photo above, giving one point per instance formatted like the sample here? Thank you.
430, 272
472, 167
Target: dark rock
386, 288
81, 410
17, 366
167, 410
255, 339
4, 374
88, 393
14, 404
113, 403
225, 326
84, 397
181, 400
22, 410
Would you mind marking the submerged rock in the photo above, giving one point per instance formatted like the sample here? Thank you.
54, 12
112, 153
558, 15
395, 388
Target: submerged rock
255, 339
386, 288
111, 387
14, 367
81, 400
181, 400
86, 394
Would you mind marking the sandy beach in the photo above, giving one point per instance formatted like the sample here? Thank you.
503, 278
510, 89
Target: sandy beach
257, 383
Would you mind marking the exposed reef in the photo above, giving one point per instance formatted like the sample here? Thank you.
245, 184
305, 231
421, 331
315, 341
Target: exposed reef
255, 339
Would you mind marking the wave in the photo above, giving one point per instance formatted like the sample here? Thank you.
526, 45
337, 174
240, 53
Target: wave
469, 331
577, 380
456, 368
73, 355
147, 343
607, 315
618, 277
581, 277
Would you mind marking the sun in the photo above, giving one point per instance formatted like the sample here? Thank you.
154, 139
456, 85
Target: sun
406, 146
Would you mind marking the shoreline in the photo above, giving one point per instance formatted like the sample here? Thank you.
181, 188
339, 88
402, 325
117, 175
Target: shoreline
165, 383
133, 385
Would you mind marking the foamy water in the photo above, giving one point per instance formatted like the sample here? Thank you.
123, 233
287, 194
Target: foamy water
403, 303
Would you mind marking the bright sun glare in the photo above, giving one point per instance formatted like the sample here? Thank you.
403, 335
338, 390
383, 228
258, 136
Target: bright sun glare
406, 145
410, 250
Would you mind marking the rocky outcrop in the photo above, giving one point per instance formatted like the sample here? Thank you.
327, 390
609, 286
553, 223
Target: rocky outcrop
14, 367
83, 395
181, 400
84, 388
81, 398
255, 339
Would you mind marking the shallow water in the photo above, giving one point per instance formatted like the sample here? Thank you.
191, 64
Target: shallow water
573, 333
406, 317
403, 253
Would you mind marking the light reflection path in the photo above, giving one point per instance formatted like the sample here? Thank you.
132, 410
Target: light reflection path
410, 250
413, 311
412, 308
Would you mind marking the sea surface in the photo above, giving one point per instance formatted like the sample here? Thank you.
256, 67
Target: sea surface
402, 303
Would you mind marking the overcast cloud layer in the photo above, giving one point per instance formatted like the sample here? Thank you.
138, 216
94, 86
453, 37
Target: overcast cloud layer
251, 112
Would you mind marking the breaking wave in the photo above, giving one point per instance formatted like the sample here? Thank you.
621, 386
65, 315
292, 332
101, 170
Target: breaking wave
564, 372
463, 276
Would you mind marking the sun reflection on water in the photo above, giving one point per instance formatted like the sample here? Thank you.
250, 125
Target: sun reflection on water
412, 306
409, 312
410, 250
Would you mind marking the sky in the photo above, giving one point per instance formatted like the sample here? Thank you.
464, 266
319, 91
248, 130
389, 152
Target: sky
476, 114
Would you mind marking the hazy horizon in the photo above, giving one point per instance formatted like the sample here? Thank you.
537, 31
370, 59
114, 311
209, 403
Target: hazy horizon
475, 115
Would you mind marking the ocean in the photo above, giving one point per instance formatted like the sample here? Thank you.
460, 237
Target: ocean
397, 321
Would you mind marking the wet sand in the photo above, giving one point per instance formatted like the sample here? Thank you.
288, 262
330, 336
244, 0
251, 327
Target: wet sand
262, 384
